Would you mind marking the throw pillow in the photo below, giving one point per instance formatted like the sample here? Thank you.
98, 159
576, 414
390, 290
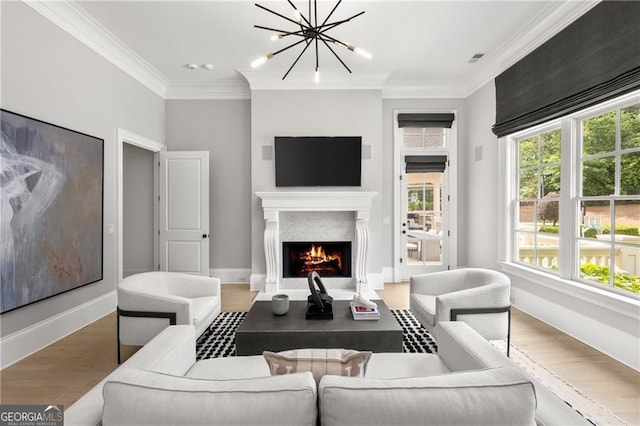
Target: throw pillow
320, 362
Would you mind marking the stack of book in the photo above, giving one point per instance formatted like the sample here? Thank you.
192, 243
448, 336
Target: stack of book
361, 312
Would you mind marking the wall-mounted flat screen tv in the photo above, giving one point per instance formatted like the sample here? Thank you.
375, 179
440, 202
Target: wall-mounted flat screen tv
318, 160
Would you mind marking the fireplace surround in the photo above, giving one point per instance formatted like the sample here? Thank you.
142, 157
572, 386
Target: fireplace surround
353, 205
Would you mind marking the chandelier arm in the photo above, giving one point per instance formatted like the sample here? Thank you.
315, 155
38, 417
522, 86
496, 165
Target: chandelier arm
336, 55
278, 14
336, 23
297, 59
301, 15
289, 46
281, 32
325, 38
330, 13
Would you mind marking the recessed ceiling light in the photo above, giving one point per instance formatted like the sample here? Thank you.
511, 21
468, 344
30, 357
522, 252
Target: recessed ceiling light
191, 66
207, 67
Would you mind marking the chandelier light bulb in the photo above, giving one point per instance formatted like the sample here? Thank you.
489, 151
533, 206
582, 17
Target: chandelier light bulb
298, 16
261, 60
276, 37
316, 75
363, 53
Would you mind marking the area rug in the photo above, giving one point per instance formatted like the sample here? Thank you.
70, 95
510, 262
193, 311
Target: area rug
219, 341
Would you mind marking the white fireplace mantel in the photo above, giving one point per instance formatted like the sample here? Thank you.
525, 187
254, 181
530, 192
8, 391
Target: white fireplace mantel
275, 202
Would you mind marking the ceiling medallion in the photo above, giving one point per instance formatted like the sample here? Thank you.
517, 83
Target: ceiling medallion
308, 33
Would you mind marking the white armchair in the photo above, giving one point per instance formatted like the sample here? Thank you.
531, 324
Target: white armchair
479, 297
149, 302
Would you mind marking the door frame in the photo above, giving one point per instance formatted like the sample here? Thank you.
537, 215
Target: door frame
452, 191
124, 136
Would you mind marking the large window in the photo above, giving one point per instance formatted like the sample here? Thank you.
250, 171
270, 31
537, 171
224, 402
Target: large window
585, 170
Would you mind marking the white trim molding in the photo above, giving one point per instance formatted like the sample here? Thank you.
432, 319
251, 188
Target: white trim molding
231, 275
21, 344
73, 19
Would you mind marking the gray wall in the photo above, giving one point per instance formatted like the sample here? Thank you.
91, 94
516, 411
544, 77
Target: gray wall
316, 113
224, 129
137, 210
51, 76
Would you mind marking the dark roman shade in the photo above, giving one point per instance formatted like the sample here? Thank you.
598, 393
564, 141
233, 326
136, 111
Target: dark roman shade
594, 59
425, 163
425, 120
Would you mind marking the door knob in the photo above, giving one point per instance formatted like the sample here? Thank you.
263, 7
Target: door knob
205, 235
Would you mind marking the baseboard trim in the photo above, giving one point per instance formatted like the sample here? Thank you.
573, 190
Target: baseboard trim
231, 275
21, 344
387, 274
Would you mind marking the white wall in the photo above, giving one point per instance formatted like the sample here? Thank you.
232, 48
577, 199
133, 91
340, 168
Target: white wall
224, 129
316, 113
51, 76
481, 181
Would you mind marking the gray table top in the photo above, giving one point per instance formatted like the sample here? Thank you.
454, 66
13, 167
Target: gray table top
261, 319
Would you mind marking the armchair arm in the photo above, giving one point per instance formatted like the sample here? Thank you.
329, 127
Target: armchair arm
190, 286
133, 301
487, 296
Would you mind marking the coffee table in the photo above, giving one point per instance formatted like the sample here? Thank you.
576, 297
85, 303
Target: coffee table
261, 330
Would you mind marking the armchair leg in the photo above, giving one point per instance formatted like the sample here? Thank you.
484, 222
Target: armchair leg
471, 311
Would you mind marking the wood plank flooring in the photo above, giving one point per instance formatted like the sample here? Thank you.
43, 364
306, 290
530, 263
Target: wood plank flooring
62, 372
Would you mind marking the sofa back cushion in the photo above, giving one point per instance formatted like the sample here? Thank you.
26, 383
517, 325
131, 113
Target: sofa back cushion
139, 397
500, 396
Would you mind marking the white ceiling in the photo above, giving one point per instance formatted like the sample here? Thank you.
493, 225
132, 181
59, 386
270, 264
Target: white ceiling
419, 48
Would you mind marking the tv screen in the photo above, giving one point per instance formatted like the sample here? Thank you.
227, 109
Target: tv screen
318, 160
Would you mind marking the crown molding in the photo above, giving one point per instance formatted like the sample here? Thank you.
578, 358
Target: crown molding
549, 22
223, 90
73, 19
424, 90
303, 80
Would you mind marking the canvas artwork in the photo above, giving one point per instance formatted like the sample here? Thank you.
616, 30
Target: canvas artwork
51, 219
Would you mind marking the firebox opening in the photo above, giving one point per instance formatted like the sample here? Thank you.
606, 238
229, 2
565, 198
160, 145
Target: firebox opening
328, 259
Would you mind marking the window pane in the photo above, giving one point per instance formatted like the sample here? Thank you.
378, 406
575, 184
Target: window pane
525, 242
528, 152
548, 214
599, 134
551, 147
627, 276
598, 176
528, 184
630, 174
594, 215
548, 243
595, 258
630, 126
417, 137
627, 216
526, 216
550, 180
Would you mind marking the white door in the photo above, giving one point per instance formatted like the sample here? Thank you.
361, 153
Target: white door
424, 223
184, 212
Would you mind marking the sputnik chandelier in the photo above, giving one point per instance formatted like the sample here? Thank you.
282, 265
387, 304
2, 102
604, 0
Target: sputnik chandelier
308, 33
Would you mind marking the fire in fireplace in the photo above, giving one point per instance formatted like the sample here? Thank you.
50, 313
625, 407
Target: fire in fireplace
328, 259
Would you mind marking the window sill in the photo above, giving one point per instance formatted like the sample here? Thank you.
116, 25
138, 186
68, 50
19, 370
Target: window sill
627, 306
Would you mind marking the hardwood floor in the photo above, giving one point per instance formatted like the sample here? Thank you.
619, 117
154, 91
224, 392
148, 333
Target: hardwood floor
62, 372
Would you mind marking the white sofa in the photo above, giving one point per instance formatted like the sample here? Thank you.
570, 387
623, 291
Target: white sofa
467, 382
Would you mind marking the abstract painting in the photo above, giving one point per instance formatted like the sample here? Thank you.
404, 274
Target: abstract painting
51, 217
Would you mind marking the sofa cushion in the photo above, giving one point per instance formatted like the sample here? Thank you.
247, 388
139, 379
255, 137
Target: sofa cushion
239, 367
500, 396
139, 397
341, 362
401, 365
424, 306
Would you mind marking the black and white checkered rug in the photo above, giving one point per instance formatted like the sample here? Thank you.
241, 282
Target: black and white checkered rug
219, 339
